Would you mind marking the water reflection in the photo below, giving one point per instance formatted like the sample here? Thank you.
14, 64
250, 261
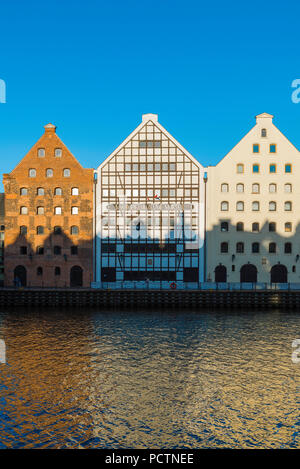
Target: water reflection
159, 380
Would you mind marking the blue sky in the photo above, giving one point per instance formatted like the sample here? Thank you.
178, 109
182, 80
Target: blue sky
94, 67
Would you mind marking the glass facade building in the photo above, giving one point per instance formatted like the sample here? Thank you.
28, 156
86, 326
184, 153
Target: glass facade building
149, 212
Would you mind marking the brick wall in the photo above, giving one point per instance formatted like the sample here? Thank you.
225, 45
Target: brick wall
48, 255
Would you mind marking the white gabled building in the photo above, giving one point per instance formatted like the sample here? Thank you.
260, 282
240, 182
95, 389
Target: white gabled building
253, 209
149, 213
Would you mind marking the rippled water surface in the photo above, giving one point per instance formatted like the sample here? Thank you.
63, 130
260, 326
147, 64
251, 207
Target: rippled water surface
149, 380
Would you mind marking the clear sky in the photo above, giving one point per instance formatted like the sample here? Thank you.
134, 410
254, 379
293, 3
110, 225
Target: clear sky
94, 67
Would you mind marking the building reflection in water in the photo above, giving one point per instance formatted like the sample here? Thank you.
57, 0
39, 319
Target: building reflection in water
160, 380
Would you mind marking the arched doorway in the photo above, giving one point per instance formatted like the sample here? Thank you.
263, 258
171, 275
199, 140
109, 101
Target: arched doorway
20, 276
248, 273
279, 274
220, 273
76, 276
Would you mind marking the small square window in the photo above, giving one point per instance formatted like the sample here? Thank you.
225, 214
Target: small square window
255, 148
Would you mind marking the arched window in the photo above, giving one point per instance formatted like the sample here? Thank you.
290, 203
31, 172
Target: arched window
39, 271
288, 227
58, 191
288, 187
240, 247
240, 206
263, 132
57, 230
40, 250
41, 152
40, 230
49, 173
32, 173
255, 206
240, 187
74, 250
57, 210
255, 248
57, 250
287, 206
272, 226
224, 206
255, 227
40, 191
57, 271
40, 211
67, 172
272, 188
58, 152
240, 168
255, 188
74, 210
23, 210
224, 247
272, 248
23, 230
288, 248
272, 206
75, 191
240, 226
74, 230
24, 191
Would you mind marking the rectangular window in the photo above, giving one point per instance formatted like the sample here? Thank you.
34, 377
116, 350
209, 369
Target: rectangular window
288, 168
272, 168
255, 168
272, 148
255, 148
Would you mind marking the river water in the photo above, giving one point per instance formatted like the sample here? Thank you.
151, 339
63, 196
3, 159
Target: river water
88, 379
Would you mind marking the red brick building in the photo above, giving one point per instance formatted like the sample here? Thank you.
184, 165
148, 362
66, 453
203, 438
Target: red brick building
49, 218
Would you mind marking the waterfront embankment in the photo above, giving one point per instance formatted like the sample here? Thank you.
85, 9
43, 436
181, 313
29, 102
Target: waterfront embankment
177, 299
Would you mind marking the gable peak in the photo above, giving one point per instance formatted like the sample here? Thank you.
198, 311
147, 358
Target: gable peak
50, 128
149, 117
264, 115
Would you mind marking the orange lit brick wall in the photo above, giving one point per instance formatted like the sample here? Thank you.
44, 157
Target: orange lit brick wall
48, 268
